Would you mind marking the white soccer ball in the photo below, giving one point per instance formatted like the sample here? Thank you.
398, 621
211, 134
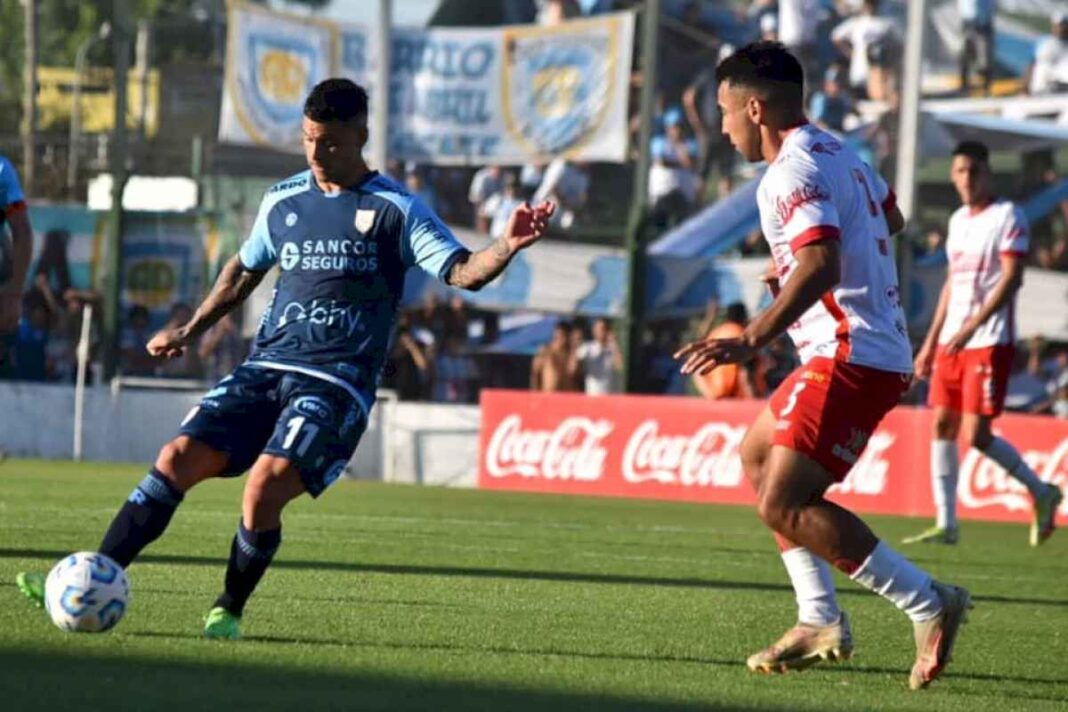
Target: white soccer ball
86, 592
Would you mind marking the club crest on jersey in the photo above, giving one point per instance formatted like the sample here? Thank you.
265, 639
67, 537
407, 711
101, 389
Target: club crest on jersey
364, 220
558, 86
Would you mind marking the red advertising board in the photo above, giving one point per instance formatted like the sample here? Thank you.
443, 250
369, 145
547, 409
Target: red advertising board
687, 449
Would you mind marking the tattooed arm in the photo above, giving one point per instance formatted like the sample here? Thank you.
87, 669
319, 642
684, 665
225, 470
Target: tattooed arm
525, 227
232, 287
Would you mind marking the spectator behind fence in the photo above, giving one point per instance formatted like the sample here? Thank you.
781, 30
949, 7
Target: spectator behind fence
134, 359
555, 367
487, 182
566, 183
798, 23
601, 360
408, 369
14, 259
1048, 73
31, 341
702, 111
729, 380
977, 50
52, 277
830, 105
188, 364
500, 206
674, 183
417, 185
455, 374
221, 349
556, 12
872, 44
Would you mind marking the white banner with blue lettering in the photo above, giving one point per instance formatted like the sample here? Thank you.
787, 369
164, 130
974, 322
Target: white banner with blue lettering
508, 95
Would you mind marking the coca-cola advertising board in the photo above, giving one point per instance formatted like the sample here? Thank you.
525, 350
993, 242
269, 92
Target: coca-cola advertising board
687, 449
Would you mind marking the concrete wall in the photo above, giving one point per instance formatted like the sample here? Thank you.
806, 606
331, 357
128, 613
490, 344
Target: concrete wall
428, 443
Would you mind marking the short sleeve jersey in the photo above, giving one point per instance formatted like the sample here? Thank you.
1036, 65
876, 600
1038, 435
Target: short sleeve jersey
817, 189
342, 259
977, 240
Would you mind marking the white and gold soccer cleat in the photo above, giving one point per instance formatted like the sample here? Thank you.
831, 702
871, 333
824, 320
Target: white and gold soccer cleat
935, 637
803, 646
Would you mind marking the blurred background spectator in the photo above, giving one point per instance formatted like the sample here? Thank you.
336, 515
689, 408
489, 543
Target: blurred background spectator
601, 360
555, 368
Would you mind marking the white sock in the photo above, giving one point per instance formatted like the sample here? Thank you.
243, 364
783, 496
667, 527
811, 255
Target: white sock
814, 587
944, 464
1007, 456
901, 582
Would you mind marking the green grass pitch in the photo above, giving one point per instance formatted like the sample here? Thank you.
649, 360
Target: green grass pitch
394, 597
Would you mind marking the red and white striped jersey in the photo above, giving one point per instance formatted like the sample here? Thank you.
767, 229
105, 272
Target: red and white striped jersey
977, 240
817, 189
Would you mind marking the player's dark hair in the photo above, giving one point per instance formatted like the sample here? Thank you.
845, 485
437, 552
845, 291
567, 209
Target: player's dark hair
975, 150
737, 313
768, 69
340, 100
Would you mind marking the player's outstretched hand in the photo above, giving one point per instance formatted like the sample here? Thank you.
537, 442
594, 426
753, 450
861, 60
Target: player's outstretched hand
528, 223
702, 356
168, 343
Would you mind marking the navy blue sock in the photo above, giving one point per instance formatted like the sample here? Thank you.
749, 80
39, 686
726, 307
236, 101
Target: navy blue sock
143, 517
250, 555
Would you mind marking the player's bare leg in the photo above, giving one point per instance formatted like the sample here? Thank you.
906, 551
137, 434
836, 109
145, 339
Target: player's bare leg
822, 629
791, 503
1046, 497
180, 465
272, 483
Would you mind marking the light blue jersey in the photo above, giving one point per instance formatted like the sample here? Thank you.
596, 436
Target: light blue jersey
342, 258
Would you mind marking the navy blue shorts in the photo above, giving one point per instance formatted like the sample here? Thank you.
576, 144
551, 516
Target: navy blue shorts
311, 422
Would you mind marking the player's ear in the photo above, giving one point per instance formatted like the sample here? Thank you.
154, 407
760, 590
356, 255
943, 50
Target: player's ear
754, 108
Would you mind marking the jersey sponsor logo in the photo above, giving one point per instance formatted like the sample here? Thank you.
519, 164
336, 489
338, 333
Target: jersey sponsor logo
290, 255
314, 407
827, 147
364, 220
323, 312
785, 207
335, 254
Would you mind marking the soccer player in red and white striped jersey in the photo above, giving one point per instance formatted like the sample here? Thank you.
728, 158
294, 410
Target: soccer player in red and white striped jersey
968, 351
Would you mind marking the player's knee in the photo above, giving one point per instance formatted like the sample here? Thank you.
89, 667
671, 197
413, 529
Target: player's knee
268, 488
946, 426
774, 510
176, 464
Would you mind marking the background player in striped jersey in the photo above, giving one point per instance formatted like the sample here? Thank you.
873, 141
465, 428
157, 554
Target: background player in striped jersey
968, 351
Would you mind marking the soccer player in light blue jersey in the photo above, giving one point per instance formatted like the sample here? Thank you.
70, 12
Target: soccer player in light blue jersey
343, 237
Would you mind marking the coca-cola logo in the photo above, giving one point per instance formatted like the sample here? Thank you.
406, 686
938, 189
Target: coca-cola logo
573, 450
707, 458
787, 206
983, 483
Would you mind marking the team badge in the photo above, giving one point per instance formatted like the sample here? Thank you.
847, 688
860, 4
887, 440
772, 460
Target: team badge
558, 86
291, 220
364, 220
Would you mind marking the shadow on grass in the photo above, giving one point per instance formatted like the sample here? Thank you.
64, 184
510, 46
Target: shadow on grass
58, 681
504, 573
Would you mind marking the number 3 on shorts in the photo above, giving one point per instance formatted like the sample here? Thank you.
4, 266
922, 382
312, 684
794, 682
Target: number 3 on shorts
791, 402
293, 429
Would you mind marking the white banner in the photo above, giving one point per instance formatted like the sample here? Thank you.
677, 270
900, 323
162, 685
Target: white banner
506, 95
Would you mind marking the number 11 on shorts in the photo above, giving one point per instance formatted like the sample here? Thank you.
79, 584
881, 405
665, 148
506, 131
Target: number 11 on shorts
293, 429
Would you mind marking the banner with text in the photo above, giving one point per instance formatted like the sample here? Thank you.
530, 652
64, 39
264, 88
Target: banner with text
687, 449
508, 95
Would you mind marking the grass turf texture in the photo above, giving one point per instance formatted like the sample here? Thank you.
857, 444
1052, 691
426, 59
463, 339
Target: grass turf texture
393, 597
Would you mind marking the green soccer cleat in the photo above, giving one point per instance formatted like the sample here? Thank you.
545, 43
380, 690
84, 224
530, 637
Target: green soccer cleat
221, 624
32, 586
934, 535
1045, 514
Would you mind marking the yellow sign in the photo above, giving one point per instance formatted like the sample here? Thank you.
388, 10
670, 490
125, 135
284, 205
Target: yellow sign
55, 99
